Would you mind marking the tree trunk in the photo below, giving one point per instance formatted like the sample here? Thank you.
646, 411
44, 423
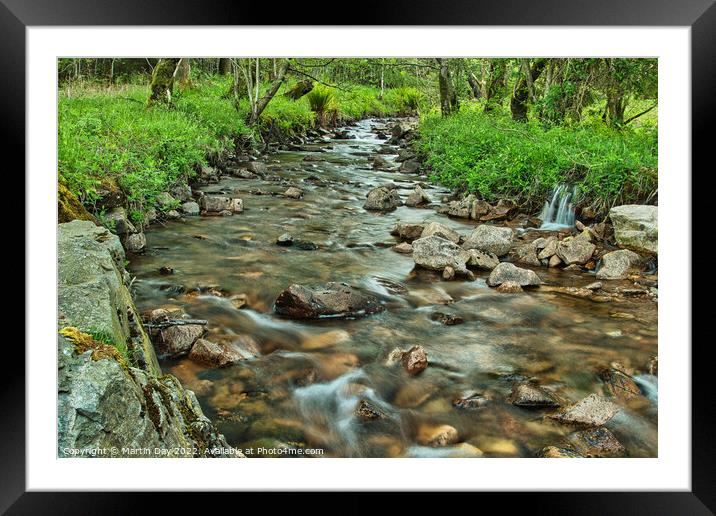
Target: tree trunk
523, 88
474, 85
447, 98
224, 65
264, 101
495, 89
182, 74
162, 83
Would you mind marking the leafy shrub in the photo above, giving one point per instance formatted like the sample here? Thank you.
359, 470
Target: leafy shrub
495, 157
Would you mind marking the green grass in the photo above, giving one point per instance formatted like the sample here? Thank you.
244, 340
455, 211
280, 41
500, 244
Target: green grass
111, 136
496, 157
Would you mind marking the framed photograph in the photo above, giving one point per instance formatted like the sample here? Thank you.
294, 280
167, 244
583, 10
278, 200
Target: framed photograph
419, 252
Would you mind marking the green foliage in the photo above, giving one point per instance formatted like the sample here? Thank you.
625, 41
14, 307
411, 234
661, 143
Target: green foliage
496, 157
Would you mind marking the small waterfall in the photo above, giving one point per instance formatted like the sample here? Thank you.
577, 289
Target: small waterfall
558, 212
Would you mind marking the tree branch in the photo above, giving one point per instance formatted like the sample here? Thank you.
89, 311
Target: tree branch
639, 114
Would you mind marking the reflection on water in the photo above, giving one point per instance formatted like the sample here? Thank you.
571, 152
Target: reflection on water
304, 388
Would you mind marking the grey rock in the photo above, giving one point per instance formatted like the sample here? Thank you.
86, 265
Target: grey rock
616, 264
636, 227
491, 239
418, 197
136, 243
118, 221
91, 290
408, 231
440, 230
506, 271
293, 193
433, 252
382, 199
190, 208
103, 406
482, 260
575, 250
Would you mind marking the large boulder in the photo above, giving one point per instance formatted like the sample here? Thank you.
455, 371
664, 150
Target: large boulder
382, 198
616, 264
636, 227
107, 409
461, 208
491, 239
433, 252
92, 290
506, 271
575, 250
190, 208
213, 204
442, 231
330, 300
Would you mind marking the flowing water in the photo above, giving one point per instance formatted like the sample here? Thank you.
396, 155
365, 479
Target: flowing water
558, 212
303, 389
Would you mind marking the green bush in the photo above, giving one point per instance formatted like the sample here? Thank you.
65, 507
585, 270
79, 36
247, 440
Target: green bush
496, 157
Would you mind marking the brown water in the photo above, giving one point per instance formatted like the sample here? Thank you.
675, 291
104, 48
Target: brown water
303, 389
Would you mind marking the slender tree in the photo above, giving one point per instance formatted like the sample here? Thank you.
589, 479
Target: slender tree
162, 83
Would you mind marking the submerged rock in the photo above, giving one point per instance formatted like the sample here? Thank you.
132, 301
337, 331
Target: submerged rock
293, 193
510, 287
437, 436
470, 402
491, 239
590, 411
403, 248
177, 340
636, 227
596, 442
617, 264
367, 411
446, 319
619, 384
415, 360
329, 300
215, 354
532, 396
382, 198
506, 271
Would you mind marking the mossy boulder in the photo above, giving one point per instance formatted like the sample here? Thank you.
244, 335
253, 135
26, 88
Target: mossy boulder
93, 294
69, 206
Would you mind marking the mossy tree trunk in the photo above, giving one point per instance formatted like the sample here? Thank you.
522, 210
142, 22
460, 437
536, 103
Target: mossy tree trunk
496, 85
182, 73
524, 88
448, 96
162, 85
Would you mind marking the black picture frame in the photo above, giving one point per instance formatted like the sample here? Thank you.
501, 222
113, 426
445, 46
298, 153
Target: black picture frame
699, 15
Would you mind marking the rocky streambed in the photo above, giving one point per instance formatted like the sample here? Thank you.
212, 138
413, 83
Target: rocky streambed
326, 297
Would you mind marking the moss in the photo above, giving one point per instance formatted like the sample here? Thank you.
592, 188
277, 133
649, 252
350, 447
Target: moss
84, 342
163, 81
69, 206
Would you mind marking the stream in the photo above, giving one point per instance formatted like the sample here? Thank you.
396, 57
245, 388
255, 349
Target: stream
303, 389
